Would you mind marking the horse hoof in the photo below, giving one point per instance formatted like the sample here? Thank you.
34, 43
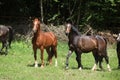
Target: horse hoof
80, 68
108, 66
55, 65
93, 69
36, 66
109, 69
66, 67
41, 66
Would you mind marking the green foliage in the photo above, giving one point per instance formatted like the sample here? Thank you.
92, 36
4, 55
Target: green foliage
54, 17
103, 14
56, 0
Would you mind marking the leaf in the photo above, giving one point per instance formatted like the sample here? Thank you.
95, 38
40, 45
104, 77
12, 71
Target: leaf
112, 2
56, 0
89, 17
54, 17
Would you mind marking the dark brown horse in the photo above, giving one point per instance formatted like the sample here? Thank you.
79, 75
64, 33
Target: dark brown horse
118, 49
82, 43
44, 40
6, 36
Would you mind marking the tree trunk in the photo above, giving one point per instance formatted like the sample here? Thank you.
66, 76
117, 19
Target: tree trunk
41, 7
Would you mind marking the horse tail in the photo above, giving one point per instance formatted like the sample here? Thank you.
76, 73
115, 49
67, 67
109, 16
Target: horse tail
102, 40
54, 45
54, 53
105, 40
10, 35
54, 50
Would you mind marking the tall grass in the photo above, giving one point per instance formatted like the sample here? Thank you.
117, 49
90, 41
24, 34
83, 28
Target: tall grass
19, 65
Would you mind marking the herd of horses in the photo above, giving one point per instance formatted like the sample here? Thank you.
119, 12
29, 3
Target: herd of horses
77, 43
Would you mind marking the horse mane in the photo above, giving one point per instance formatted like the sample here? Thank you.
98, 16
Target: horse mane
75, 30
1, 26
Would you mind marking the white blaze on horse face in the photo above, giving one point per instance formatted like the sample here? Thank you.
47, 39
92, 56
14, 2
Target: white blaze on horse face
118, 38
35, 26
68, 28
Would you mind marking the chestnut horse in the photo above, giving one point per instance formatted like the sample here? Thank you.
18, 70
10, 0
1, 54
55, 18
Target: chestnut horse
118, 49
84, 44
43, 40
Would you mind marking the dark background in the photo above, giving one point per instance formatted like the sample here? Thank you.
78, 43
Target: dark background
99, 14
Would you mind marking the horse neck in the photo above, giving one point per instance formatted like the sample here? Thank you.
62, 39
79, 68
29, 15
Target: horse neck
72, 35
37, 33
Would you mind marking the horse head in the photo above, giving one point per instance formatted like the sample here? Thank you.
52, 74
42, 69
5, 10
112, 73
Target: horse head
68, 28
71, 29
36, 25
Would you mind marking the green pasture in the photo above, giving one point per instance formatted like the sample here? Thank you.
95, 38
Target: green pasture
18, 65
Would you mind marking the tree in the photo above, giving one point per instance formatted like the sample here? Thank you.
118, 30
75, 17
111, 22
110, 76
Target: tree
41, 7
100, 14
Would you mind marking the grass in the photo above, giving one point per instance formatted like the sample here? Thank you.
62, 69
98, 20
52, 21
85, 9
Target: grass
18, 65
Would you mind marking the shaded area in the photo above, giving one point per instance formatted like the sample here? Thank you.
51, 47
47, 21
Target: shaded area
101, 15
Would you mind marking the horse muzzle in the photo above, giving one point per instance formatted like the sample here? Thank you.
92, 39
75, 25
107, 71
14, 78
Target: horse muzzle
67, 34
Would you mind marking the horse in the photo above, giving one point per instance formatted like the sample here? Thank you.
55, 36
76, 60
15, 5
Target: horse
118, 49
6, 37
79, 44
43, 40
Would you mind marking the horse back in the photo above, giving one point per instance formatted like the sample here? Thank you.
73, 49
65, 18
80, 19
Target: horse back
45, 39
50, 38
3, 30
87, 43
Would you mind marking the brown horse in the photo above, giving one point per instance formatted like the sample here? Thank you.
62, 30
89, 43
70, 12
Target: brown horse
118, 49
43, 40
84, 44
6, 37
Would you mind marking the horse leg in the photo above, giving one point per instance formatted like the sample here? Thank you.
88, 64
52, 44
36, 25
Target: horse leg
54, 49
49, 55
9, 44
96, 60
35, 56
100, 62
3, 44
107, 61
118, 55
67, 58
42, 57
6, 46
78, 59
